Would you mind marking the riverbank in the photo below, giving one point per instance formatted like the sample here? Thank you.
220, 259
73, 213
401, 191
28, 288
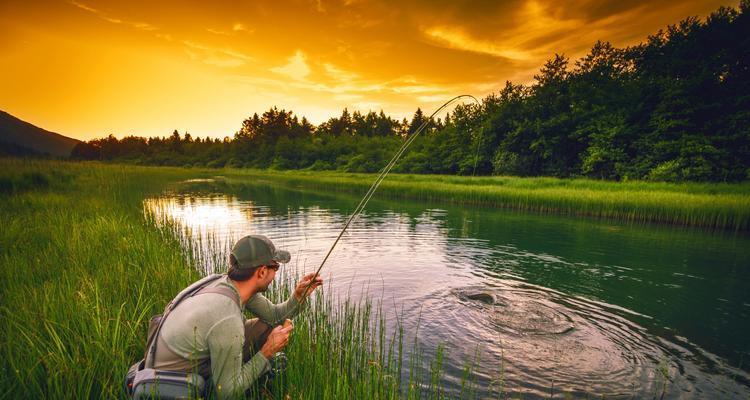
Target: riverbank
81, 274
707, 205
82, 268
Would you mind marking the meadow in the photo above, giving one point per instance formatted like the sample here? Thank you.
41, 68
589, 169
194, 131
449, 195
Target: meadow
708, 205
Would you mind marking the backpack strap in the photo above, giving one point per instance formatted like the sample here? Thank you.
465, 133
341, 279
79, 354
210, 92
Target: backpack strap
185, 293
222, 290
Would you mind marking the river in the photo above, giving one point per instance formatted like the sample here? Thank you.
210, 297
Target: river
578, 306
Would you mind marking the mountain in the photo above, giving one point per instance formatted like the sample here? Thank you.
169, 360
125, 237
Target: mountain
19, 137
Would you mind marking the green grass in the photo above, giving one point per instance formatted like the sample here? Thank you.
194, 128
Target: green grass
81, 273
83, 268
709, 205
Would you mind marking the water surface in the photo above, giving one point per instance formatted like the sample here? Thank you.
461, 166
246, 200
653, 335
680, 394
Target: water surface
581, 306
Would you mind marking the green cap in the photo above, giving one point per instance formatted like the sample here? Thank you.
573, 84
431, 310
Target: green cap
255, 250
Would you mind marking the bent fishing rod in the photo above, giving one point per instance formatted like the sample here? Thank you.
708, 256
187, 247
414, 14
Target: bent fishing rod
383, 173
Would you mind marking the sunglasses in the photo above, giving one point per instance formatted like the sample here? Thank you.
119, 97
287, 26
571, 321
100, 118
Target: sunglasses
274, 267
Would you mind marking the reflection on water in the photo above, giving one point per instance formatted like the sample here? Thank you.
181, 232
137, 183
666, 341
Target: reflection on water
555, 305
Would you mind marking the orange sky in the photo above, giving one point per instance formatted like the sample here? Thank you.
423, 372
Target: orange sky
87, 68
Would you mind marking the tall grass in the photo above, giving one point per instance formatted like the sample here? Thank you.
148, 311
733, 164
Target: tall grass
80, 274
82, 270
710, 205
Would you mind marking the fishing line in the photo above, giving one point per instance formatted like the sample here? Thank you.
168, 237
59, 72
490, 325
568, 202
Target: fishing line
383, 173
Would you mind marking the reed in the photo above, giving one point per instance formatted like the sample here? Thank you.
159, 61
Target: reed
83, 268
708, 205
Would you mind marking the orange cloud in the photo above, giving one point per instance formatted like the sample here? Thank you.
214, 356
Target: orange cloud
138, 25
295, 68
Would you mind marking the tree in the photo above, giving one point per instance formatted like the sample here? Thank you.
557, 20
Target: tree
416, 122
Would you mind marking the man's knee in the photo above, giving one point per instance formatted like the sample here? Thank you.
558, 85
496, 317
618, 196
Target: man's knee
256, 333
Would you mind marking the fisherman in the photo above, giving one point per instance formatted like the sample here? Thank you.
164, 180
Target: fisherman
209, 334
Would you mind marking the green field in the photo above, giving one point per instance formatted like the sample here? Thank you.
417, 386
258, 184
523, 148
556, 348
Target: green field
709, 205
83, 269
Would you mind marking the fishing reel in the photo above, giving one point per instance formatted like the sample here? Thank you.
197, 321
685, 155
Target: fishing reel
278, 363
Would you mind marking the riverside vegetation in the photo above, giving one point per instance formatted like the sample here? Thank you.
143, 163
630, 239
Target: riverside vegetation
83, 269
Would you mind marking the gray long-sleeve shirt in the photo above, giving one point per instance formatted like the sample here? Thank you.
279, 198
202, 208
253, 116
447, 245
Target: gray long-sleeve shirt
205, 333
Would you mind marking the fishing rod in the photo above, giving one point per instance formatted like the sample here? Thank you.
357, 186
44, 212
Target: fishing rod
383, 173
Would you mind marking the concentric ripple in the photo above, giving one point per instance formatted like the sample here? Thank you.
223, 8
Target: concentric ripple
544, 339
519, 316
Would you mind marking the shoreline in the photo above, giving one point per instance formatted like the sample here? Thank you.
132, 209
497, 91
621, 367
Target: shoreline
719, 206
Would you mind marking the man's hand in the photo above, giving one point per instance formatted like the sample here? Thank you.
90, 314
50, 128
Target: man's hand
277, 339
304, 283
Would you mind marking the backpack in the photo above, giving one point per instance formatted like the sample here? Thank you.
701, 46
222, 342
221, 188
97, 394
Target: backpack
142, 381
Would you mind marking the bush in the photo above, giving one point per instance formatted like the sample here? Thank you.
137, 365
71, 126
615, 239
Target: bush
320, 165
234, 163
281, 163
414, 162
360, 163
15, 183
668, 171
6, 185
505, 163
215, 163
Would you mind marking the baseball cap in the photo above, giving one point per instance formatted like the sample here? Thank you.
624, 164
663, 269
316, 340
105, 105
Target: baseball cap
255, 250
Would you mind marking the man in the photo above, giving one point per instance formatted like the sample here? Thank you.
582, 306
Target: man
208, 333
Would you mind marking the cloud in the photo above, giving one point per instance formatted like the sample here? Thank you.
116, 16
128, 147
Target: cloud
319, 6
339, 74
138, 25
235, 28
217, 32
143, 26
414, 88
295, 68
362, 87
226, 58
532, 30
433, 98
456, 39
347, 97
84, 7
368, 106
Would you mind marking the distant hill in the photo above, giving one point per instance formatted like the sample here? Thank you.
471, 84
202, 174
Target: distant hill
19, 137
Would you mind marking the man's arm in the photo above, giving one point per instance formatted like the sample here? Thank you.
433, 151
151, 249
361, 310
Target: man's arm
231, 377
273, 314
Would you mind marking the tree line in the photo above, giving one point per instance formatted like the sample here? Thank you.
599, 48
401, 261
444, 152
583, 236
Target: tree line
674, 108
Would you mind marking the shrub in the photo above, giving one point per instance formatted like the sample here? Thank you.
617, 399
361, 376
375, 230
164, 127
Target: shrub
320, 165
668, 171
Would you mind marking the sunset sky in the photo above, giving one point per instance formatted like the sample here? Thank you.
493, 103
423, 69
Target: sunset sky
87, 68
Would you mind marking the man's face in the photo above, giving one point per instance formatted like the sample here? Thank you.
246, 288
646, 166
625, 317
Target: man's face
270, 274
